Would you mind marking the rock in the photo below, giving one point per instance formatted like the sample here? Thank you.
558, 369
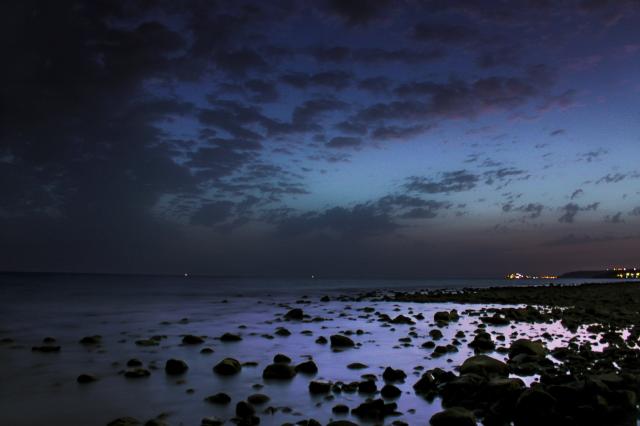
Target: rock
219, 398
227, 367
124, 421
340, 409
86, 378
435, 334
147, 342
46, 349
244, 409
229, 337
294, 314
442, 316
321, 340
282, 358
258, 398
137, 373
134, 362
485, 366
401, 319
367, 386
211, 421
527, 347
175, 367
206, 351
317, 387
91, 340
454, 416
283, 332
390, 391
391, 375
340, 341
342, 423
190, 339
279, 372
357, 366
307, 367
156, 422
535, 407
482, 342
375, 409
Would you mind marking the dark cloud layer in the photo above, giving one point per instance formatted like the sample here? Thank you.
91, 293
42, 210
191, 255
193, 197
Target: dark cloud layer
144, 136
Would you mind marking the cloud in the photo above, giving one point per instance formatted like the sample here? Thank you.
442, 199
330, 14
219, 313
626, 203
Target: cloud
615, 218
572, 209
455, 181
212, 213
577, 193
344, 142
358, 12
335, 79
581, 240
443, 33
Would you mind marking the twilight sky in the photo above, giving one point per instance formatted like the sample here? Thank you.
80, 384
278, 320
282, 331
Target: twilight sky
337, 138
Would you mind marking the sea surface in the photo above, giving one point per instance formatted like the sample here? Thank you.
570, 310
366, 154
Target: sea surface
41, 388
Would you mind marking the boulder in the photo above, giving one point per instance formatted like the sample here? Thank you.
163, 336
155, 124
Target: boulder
527, 347
341, 341
190, 339
227, 367
307, 367
454, 416
294, 314
279, 371
175, 366
485, 366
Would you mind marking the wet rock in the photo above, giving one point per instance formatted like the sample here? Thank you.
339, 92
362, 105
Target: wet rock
124, 421
219, 398
147, 342
341, 341
390, 391
401, 319
190, 339
175, 366
283, 332
246, 413
282, 359
307, 367
258, 399
91, 340
230, 337
342, 423
375, 409
482, 342
134, 362
393, 375
527, 347
227, 367
279, 372
319, 387
206, 351
367, 386
325, 299
321, 340
211, 421
435, 334
86, 378
454, 416
137, 373
535, 407
485, 366
294, 314
340, 409
46, 349
357, 366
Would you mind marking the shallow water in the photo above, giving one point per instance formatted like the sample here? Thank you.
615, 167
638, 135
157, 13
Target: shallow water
41, 388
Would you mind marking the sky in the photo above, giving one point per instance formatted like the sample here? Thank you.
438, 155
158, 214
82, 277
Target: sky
339, 138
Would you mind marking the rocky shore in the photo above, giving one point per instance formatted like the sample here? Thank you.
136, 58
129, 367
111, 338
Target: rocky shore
549, 355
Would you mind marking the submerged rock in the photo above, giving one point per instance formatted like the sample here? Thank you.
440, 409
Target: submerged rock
279, 371
318, 386
341, 341
46, 349
375, 409
219, 398
294, 314
258, 398
228, 367
137, 373
175, 366
307, 367
190, 339
86, 378
229, 337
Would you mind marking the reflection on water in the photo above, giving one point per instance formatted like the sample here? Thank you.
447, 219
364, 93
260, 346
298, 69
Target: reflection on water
41, 388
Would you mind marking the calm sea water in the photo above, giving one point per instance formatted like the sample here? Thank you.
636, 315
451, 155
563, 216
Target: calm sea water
37, 388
